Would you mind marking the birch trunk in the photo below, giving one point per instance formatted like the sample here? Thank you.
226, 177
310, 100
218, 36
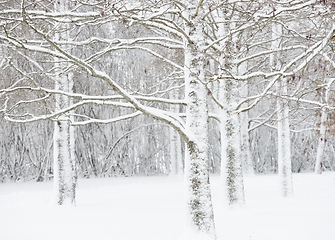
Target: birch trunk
324, 94
284, 143
246, 159
247, 163
176, 167
65, 178
175, 153
200, 210
231, 165
284, 138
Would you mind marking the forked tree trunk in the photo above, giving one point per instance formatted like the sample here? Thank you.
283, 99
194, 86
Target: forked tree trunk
231, 165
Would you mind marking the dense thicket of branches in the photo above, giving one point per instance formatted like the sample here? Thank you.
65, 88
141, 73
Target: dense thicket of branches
128, 42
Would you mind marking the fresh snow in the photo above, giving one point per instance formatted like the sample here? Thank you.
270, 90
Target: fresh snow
153, 208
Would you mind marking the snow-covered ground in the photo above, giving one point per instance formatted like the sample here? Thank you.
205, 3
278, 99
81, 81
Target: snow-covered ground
152, 208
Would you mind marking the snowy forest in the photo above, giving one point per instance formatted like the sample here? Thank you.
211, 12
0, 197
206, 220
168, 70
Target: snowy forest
123, 88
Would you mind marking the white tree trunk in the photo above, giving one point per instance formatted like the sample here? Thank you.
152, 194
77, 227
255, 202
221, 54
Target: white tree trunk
247, 163
284, 143
322, 142
65, 178
231, 165
284, 138
176, 167
323, 127
64, 166
200, 209
175, 153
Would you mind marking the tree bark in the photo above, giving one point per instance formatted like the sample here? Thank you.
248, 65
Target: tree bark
201, 216
176, 167
322, 142
284, 142
246, 159
65, 178
231, 165
283, 125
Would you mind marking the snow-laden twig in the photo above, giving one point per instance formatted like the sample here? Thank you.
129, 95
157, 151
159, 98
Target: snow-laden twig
280, 10
307, 56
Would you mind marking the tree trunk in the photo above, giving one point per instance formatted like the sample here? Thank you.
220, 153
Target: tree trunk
65, 178
175, 153
201, 216
284, 142
176, 167
246, 160
284, 138
64, 166
283, 125
322, 142
231, 165
247, 164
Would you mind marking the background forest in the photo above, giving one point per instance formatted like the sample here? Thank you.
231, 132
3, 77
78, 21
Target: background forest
143, 62
103, 88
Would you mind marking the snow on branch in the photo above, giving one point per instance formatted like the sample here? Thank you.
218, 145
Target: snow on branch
305, 57
279, 10
60, 53
83, 97
104, 121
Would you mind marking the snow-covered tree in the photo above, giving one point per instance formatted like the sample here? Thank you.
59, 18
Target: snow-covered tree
197, 161
194, 130
324, 93
175, 145
65, 174
284, 138
111, 48
231, 165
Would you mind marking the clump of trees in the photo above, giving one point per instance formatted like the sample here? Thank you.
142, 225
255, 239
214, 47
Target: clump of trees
121, 88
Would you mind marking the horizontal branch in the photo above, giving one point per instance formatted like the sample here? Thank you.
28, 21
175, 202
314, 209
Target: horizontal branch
84, 97
106, 121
